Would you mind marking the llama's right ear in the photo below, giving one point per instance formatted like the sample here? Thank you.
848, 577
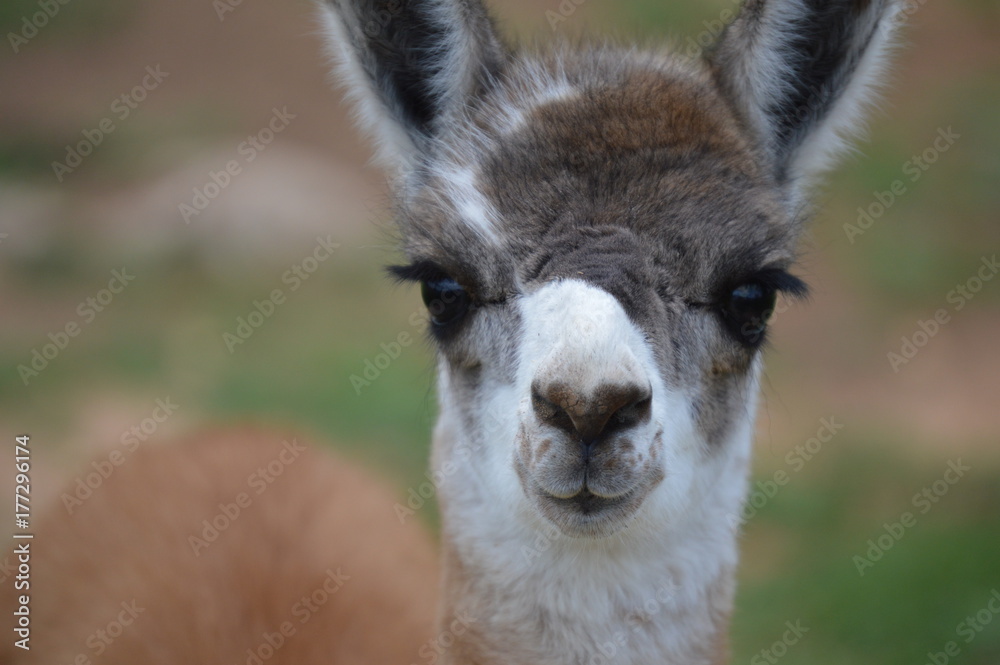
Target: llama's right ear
800, 73
410, 64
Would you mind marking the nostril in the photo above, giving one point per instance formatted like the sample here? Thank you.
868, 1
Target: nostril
609, 408
632, 414
551, 413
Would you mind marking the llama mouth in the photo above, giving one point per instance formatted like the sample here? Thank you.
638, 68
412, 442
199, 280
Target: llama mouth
588, 503
587, 515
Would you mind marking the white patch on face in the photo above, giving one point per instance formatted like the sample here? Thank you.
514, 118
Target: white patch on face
578, 335
472, 207
515, 115
680, 541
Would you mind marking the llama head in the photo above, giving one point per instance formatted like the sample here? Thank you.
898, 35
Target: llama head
600, 235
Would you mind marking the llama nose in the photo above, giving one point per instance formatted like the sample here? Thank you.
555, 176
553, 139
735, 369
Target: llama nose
593, 415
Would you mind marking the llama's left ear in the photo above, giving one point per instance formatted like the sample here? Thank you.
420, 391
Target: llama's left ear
410, 64
800, 72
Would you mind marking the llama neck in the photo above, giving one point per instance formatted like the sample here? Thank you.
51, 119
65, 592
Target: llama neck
496, 618
517, 591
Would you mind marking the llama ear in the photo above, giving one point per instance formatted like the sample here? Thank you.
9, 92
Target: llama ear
409, 64
801, 72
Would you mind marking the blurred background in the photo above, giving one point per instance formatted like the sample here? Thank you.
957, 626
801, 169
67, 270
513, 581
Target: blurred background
165, 167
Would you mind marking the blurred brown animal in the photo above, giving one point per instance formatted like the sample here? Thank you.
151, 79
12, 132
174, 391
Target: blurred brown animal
156, 566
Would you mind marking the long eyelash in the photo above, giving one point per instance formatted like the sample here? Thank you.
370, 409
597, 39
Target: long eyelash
775, 278
420, 271
781, 281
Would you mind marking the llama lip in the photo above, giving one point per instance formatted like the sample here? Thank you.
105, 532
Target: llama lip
587, 498
588, 503
587, 515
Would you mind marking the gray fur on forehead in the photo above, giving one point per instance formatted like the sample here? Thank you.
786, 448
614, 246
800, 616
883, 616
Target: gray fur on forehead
625, 169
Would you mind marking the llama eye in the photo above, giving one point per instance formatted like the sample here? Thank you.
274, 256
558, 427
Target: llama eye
446, 301
748, 309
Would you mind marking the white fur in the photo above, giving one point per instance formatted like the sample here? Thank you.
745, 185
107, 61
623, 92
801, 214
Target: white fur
549, 91
578, 334
472, 207
679, 544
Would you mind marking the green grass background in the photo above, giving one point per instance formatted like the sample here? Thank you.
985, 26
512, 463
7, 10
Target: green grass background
163, 336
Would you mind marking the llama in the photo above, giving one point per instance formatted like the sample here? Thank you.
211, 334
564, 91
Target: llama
233, 547
600, 235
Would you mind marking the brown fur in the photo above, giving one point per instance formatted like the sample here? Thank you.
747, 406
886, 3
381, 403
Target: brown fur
129, 542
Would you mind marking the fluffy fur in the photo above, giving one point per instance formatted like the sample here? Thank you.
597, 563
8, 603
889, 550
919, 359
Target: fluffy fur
599, 206
801, 73
321, 529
